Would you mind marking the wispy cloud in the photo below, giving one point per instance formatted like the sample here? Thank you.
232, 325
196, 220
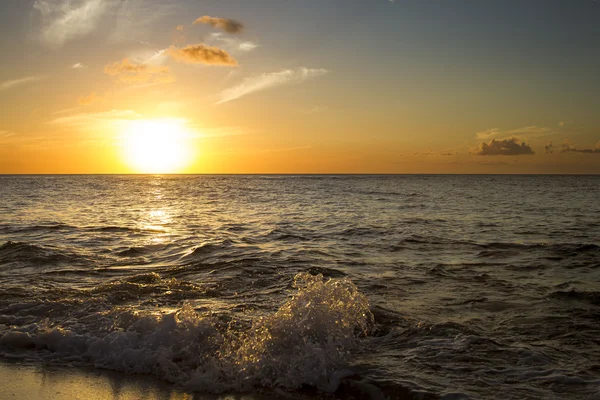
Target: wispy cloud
526, 132
6, 134
228, 25
20, 81
315, 110
202, 54
129, 72
269, 80
435, 153
487, 134
77, 66
89, 99
233, 44
94, 118
62, 21
65, 20
135, 18
507, 147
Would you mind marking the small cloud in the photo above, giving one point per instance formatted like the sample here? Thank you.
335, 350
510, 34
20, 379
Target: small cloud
530, 130
228, 25
20, 81
567, 148
178, 35
129, 72
78, 66
269, 80
315, 110
562, 124
202, 54
507, 147
247, 46
88, 100
548, 148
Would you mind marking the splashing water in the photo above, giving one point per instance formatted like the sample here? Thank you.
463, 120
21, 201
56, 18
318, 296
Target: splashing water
306, 342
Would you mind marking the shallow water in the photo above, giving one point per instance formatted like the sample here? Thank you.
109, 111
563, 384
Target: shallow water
450, 286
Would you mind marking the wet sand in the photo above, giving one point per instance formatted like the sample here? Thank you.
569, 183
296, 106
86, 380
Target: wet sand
25, 382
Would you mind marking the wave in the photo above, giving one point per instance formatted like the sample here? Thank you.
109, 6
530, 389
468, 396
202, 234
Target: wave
54, 226
553, 247
307, 342
589, 297
33, 254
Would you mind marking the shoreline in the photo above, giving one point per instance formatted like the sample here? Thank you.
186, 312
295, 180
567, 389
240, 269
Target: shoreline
39, 382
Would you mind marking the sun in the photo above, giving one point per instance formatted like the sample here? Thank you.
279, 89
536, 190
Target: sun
160, 146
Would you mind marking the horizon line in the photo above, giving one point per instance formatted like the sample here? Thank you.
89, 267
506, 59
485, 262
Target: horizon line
299, 174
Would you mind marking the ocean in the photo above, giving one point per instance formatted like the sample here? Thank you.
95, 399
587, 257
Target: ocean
391, 286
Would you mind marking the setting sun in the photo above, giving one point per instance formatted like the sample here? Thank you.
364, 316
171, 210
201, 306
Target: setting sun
156, 146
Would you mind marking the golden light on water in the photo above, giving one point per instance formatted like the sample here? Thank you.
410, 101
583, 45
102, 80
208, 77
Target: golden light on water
158, 146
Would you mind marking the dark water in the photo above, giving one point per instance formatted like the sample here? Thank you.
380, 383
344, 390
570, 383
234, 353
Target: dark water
482, 287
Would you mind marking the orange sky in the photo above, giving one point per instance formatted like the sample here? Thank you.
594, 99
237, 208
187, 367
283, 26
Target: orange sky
148, 86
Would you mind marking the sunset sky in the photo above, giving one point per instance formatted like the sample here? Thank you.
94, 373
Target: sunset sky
300, 86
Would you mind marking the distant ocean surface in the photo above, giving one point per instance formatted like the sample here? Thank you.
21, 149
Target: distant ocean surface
474, 287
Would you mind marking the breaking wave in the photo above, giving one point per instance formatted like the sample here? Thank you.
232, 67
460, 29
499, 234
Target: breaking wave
306, 342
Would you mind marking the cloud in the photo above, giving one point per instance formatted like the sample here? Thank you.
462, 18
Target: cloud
507, 147
526, 132
269, 80
228, 25
6, 134
95, 118
62, 21
88, 100
136, 18
435, 153
247, 46
65, 20
487, 134
129, 72
548, 148
233, 44
566, 148
202, 54
315, 110
20, 81
77, 66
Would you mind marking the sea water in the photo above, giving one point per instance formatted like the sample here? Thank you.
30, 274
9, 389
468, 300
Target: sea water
482, 287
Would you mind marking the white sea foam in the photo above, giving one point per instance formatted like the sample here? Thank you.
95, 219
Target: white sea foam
306, 342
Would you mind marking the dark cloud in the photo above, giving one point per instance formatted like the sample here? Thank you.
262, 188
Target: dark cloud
568, 149
507, 147
228, 25
202, 54
549, 149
